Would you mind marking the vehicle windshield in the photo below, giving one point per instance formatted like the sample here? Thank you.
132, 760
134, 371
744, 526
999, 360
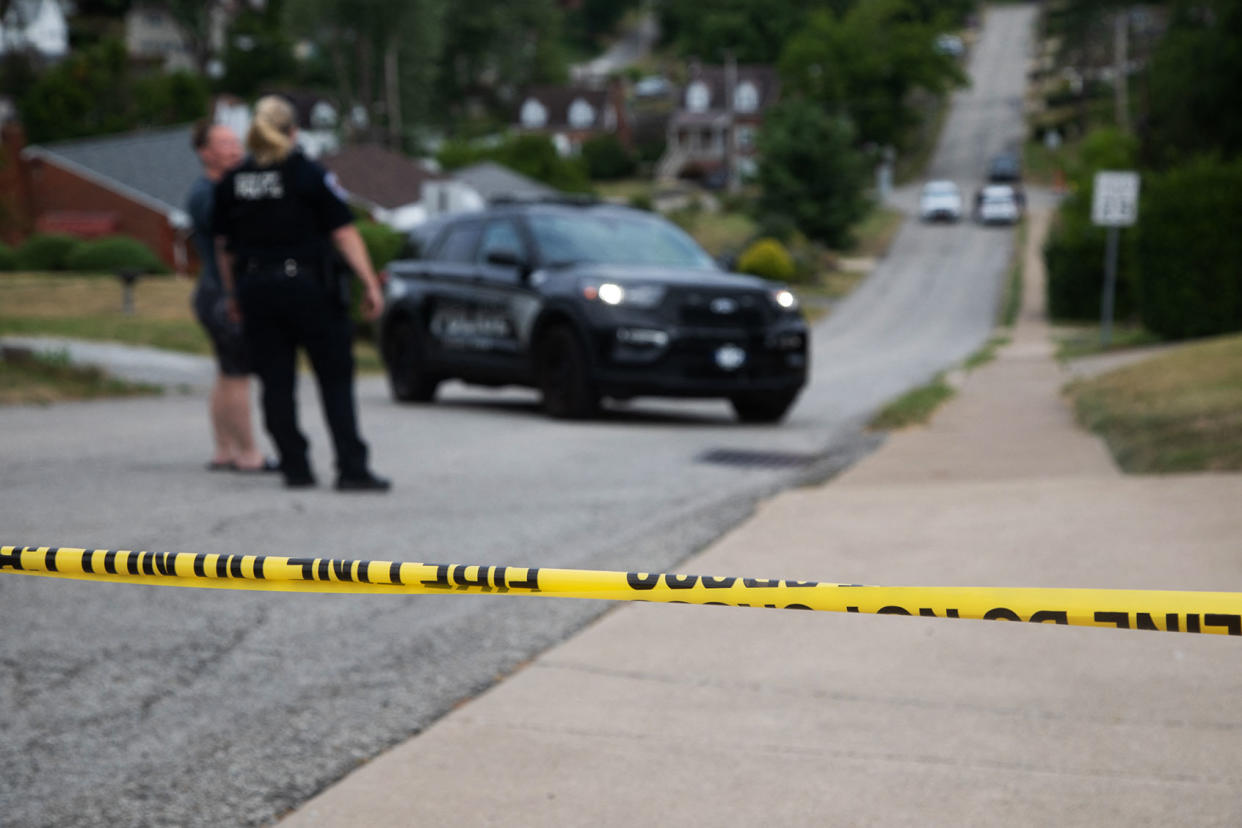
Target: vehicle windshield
940, 188
615, 239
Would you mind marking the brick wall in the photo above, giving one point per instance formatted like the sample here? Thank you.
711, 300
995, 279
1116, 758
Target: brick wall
15, 216
53, 188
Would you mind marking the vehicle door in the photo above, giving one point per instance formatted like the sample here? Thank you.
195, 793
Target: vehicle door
449, 274
502, 306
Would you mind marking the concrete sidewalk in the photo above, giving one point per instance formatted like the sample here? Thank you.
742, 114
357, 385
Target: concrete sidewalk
664, 714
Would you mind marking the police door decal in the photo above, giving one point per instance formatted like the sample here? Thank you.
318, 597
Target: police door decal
477, 327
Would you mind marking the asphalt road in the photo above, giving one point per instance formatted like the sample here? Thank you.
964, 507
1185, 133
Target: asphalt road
156, 706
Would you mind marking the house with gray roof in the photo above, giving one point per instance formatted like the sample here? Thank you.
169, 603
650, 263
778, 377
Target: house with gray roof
490, 181
134, 184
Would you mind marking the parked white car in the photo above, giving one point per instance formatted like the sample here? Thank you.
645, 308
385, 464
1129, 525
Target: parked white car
940, 201
998, 204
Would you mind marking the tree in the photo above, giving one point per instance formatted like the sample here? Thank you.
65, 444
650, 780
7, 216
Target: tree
494, 48
866, 63
1192, 85
811, 171
95, 91
754, 31
383, 55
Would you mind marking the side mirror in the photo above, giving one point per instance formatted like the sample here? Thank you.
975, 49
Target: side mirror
505, 258
510, 258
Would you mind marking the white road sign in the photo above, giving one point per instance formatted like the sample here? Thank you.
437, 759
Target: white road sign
1114, 199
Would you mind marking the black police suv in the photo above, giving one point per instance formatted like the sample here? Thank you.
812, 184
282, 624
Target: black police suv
585, 301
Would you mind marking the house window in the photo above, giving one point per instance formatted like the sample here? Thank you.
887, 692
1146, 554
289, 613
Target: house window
323, 115
581, 114
698, 97
534, 114
745, 137
746, 97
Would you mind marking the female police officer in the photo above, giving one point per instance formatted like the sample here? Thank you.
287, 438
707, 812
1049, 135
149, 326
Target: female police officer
277, 218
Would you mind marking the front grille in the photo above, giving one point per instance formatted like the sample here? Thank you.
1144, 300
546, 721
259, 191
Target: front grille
720, 309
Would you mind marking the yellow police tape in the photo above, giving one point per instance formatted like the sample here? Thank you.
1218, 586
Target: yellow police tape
1194, 612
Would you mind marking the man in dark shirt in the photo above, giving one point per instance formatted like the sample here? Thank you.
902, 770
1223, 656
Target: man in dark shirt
219, 150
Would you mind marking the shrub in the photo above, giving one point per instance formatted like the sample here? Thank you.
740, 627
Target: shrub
1074, 251
113, 254
767, 258
45, 251
1074, 258
812, 172
607, 158
383, 243
8, 259
1189, 250
642, 201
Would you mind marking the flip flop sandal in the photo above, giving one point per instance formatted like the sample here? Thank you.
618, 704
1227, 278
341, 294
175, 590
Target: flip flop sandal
217, 465
268, 465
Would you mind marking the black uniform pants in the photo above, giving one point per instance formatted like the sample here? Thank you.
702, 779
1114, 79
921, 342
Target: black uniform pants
280, 314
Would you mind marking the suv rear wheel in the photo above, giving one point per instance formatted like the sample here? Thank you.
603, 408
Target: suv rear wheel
562, 369
407, 375
763, 408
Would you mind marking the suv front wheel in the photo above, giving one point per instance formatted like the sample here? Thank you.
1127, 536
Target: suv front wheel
407, 375
563, 371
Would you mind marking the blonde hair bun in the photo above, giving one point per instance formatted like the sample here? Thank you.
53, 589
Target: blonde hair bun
270, 139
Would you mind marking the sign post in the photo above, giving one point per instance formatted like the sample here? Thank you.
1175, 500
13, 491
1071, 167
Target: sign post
1114, 204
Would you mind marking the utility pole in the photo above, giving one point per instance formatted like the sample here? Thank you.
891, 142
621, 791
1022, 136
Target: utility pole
1121, 59
392, 91
730, 152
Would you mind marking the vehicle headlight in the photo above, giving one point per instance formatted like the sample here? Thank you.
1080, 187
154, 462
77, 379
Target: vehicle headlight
611, 293
785, 299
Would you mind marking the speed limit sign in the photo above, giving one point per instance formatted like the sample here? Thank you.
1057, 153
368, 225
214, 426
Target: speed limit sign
1114, 199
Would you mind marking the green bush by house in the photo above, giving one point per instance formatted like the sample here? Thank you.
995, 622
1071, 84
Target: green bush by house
45, 251
1189, 249
112, 254
8, 259
607, 158
383, 243
767, 258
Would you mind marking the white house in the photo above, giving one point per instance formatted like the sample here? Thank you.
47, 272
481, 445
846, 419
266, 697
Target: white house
35, 24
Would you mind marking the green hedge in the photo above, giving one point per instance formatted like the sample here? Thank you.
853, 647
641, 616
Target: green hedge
8, 259
45, 251
1074, 257
383, 243
112, 254
606, 158
1074, 251
1190, 249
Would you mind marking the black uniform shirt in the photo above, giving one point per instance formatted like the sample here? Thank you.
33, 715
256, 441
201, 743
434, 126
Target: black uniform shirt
285, 210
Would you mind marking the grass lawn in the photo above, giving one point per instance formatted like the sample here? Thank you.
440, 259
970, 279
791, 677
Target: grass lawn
914, 407
717, 233
1040, 164
89, 307
1178, 412
29, 378
874, 234
625, 188
1076, 342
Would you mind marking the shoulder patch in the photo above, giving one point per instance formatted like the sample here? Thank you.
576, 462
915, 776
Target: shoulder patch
332, 183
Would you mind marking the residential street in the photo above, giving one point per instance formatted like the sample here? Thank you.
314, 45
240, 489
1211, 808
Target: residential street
129, 705
704, 715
